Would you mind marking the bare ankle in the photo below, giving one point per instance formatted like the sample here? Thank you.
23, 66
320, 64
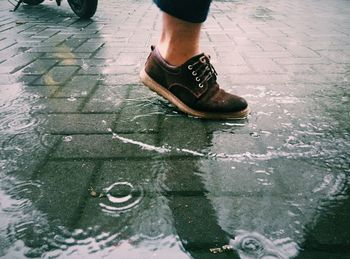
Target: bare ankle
179, 40
177, 55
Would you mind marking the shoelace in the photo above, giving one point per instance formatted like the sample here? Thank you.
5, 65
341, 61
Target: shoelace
202, 70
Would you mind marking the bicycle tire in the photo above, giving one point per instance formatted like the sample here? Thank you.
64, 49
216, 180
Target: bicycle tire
83, 8
33, 2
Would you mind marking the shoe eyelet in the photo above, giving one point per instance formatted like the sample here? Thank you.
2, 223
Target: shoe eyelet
190, 67
194, 73
200, 85
198, 79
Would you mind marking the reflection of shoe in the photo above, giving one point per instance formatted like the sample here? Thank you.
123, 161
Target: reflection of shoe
192, 87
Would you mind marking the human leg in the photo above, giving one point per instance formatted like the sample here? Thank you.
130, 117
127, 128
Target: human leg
179, 40
177, 70
182, 21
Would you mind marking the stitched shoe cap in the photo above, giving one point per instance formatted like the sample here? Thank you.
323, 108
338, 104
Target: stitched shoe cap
192, 87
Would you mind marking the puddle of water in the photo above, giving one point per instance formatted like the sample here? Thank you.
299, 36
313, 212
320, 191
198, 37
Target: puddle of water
264, 190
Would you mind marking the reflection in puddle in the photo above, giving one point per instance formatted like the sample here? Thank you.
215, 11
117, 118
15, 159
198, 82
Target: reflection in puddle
295, 172
121, 196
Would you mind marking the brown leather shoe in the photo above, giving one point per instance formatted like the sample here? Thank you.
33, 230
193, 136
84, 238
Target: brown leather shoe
192, 87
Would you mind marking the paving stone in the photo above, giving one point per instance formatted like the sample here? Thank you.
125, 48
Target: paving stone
66, 124
19, 61
43, 91
25, 79
179, 138
265, 65
230, 144
302, 61
109, 51
332, 68
58, 105
57, 39
58, 75
302, 52
336, 56
39, 66
89, 47
227, 69
47, 33
6, 43
121, 79
138, 117
231, 58
60, 198
66, 55
146, 221
128, 59
107, 99
261, 79
282, 172
72, 43
115, 68
140, 113
79, 86
52, 49
329, 232
301, 69
267, 54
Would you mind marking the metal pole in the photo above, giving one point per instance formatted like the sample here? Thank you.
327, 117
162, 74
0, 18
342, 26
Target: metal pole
18, 4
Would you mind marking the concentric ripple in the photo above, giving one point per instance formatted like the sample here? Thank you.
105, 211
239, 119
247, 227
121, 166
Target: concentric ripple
22, 195
17, 123
15, 107
251, 245
255, 245
120, 197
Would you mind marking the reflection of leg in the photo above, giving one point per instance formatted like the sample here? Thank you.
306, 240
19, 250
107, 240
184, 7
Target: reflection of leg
194, 217
329, 235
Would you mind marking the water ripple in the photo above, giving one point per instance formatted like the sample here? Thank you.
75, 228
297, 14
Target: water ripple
15, 107
254, 245
120, 197
21, 195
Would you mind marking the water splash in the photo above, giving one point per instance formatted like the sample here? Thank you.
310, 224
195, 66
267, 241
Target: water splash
67, 138
141, 144
294, 148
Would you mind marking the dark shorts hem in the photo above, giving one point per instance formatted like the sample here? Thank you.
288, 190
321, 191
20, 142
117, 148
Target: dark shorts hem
195, 11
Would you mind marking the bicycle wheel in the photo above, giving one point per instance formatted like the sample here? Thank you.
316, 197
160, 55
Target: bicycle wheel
33, 2
83, 8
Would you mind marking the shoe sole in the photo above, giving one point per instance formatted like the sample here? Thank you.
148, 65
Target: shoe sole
160, 90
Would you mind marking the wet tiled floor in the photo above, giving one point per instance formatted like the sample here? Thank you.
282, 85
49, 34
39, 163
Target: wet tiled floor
94, 165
